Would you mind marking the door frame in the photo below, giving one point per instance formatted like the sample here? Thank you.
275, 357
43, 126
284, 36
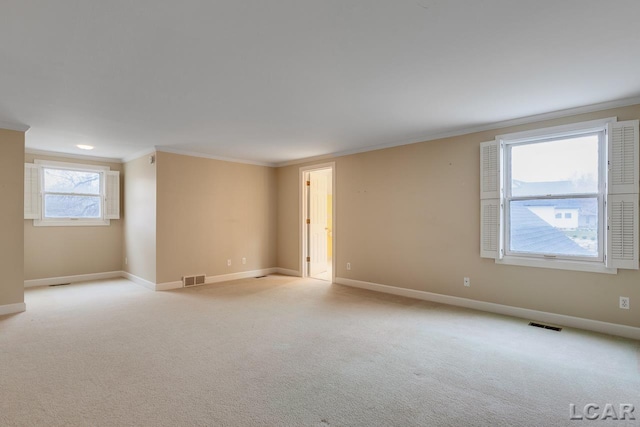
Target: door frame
302, 216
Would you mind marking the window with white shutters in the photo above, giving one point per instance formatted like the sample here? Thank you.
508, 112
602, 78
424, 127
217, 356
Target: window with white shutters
563, 197
69, 194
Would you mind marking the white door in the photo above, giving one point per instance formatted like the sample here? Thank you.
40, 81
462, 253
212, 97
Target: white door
318, 228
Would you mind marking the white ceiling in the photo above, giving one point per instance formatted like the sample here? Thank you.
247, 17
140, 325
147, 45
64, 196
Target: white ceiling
278, 80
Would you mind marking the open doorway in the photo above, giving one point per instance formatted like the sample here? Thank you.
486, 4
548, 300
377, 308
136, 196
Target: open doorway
318, 221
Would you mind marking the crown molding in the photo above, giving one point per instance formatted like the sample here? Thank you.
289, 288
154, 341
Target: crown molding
211, 156
14, 126
473, 129
138, 154
71, 156
423, 138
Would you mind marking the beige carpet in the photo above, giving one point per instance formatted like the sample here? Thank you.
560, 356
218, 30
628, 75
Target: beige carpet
291, 352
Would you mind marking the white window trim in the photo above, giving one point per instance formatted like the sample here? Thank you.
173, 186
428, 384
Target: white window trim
71, 222
599, 196
557, 264
557, 131
494, 173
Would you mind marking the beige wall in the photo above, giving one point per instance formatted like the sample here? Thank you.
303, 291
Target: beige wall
140, 219
289, 245
69, 251
11, 214
409, 217
210, 211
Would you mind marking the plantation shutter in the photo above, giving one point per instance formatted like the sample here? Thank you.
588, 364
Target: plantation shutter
490, 203
490, 228
622, 194
112, 195
31, 191
489, 170
623, 154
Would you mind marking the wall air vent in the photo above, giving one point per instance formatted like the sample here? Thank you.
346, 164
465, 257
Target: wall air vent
543, 326
197, 280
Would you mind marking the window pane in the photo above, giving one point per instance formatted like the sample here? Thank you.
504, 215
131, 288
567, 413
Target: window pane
555, 227
68, 181
562, 166
57, 206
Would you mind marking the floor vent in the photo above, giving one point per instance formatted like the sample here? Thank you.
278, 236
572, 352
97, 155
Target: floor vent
193, 280
543, 326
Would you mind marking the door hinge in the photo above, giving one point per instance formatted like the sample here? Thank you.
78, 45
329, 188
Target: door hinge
308, 183
308, 259
308, 221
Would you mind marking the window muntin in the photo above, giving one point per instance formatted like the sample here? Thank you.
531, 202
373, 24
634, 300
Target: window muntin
554, 199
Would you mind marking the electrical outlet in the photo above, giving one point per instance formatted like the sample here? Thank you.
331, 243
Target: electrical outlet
244, 260
624, 303
228, 263
348, 266
126, 260
467, 282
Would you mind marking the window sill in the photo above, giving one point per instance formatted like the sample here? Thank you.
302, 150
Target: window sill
71, 223
590, 267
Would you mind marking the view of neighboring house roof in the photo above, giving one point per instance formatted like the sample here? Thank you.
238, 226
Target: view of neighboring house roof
524, 188
586, 206
530, 233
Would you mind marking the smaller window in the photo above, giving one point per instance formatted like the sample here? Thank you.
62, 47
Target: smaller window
70, 194
558, 216
567, 215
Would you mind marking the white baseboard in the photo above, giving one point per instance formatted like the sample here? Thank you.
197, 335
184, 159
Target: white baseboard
287, 272
71, 279
12, 308
155, 286
167, 286
240, 275
138, 280
220, 278
542, 316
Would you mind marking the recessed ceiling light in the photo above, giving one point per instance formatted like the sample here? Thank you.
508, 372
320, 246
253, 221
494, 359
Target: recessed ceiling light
84, 147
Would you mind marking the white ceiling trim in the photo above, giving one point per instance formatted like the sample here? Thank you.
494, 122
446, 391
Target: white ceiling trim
138, 154
466, 131
492, 126
14, 126
211, 156
71, 156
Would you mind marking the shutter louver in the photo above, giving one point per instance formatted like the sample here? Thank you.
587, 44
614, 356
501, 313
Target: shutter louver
112, 195
623, 176
490, 212
489, 170
622, 244
31, 191
622, 195
490, 228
